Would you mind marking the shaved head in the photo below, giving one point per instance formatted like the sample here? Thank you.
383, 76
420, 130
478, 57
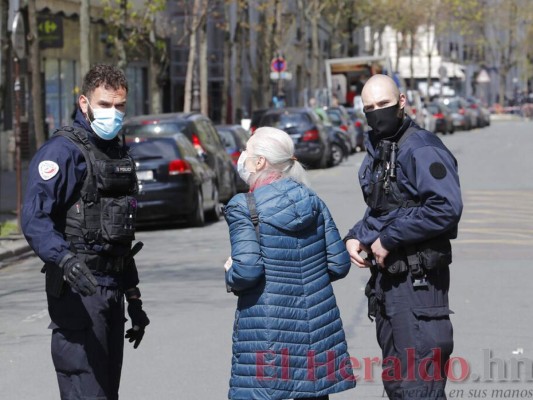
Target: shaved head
380, 91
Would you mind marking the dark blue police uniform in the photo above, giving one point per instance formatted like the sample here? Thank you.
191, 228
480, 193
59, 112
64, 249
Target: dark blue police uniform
415, 213
88, 332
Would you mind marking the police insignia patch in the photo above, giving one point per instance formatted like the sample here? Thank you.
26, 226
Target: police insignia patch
437, 170
48, 169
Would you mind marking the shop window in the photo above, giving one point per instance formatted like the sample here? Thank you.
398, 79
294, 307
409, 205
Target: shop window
61, 92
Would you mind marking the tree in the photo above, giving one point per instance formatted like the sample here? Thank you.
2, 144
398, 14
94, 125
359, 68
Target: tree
35, 66
135, 31
4, 7
85, 28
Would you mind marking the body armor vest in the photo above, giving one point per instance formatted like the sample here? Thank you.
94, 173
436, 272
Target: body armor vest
102, 219
383, 193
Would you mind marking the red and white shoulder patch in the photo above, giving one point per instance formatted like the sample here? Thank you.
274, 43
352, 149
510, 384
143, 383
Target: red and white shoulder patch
48, 169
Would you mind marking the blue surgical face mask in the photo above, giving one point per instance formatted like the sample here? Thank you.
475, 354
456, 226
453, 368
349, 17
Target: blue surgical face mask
106, 122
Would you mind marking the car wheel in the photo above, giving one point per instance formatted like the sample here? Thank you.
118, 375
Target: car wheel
198, 217
216, 212
323, 163
337, 154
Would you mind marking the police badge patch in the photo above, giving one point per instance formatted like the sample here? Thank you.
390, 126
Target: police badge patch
437, 170
48, 169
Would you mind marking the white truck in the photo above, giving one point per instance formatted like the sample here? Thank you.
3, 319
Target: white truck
345, 77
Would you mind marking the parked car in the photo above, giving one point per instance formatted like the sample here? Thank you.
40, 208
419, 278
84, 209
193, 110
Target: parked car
416, 107
482, 112
234, 138
359, 123
256, 118
463, 116
442, 117
202, 134
339, 142
340, 146
340, 118
311, 143
175, 183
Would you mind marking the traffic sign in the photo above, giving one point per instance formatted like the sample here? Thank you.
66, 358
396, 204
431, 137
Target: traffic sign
18, 36
278, 64
281, 75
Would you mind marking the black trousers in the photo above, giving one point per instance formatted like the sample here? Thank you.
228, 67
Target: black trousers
415, 335
88, 343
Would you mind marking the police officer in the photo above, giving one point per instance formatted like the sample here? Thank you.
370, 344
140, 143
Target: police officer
79, 218
410, 184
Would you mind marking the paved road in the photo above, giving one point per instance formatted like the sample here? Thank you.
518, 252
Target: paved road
187, 349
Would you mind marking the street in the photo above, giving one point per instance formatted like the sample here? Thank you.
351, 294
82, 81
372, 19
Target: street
186, 351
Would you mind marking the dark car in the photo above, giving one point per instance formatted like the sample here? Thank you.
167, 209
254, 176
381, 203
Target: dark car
175, 184
310, 137
202, 134
340, 146
234, 138
482, 112
256, 118
442, 117
359, 122
340, 118
463, 117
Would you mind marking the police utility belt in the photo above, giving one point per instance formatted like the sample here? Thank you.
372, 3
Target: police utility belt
384, 195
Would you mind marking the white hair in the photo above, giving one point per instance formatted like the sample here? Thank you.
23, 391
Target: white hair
277, 147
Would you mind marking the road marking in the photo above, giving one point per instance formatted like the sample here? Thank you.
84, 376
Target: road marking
500, 217
34, 317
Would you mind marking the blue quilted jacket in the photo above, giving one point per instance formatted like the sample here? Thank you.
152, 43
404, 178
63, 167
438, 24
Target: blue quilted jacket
288, 340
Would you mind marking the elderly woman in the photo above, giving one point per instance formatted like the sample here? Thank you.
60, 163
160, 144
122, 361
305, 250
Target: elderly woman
288, 339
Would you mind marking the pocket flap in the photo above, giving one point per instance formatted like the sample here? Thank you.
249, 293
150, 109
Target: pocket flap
432, 312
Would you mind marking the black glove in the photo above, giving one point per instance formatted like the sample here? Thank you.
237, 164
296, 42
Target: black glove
139, 321
79, 277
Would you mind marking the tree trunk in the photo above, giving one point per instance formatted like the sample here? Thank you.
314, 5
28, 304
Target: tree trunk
203, 65
226, 113
35, 65
315, 52
85, 32
4, 7
191, 60
120, 46
411, 60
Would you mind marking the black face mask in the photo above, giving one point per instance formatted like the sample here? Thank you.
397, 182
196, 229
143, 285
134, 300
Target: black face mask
384, 122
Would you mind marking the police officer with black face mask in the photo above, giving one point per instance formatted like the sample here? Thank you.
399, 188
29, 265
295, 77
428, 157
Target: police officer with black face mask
410, 183
79, 218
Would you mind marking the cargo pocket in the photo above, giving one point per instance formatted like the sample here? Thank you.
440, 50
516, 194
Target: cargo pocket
433, 331
68, 351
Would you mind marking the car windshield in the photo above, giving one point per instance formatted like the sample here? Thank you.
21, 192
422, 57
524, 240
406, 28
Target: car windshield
154, 129
286, 120
153, 148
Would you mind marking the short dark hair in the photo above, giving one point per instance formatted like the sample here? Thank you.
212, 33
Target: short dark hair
105, 75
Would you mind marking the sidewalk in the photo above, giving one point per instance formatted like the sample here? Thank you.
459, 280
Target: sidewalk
13, 245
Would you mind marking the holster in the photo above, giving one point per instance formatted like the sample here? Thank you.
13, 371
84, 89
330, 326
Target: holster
54, 282
370, 293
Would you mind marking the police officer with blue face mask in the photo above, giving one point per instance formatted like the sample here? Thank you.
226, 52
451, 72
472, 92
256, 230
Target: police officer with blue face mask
79, 217
410, 183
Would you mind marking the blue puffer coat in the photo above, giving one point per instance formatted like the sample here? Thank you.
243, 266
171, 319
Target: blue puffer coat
288, 340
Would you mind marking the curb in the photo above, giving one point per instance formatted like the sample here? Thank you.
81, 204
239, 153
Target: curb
15, 251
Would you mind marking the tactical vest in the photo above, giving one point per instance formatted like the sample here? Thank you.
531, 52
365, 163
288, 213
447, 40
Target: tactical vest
102, 219
383, 193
